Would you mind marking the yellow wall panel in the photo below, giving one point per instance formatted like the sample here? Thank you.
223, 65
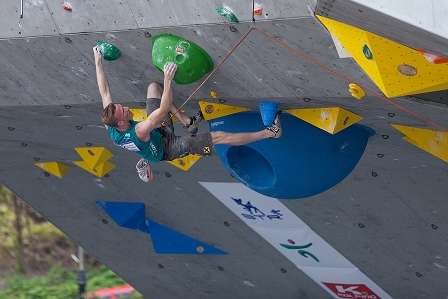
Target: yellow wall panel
396, 69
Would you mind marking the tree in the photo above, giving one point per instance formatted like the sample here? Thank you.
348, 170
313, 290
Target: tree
18, 211
13, 224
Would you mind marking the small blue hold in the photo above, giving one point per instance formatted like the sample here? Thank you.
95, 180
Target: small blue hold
268, 111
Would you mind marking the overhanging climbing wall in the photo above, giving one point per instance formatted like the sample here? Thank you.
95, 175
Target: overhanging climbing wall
396, 69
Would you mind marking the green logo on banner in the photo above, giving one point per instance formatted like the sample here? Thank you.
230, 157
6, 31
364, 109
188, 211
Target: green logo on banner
300, 251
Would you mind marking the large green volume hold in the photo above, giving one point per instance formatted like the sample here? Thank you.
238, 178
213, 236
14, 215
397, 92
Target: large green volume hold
193, 62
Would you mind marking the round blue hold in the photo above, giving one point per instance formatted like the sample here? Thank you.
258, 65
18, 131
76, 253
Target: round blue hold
304, 162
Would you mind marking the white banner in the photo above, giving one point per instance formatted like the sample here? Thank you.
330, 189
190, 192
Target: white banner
296, 241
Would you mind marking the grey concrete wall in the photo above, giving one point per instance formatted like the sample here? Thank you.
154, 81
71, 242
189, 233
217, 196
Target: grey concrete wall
48, 17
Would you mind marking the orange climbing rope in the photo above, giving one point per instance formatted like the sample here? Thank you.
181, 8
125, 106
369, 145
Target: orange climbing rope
348, 80
216, 68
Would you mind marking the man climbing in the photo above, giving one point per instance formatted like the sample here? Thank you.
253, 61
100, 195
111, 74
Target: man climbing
155, 143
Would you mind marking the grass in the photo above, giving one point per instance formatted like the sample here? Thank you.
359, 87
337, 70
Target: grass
59, 283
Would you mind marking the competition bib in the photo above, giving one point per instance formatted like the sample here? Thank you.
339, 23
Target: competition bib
129, 145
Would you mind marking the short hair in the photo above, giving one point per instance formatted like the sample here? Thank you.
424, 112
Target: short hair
108, 116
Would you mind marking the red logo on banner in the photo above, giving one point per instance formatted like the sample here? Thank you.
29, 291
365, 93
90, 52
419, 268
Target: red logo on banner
352, 291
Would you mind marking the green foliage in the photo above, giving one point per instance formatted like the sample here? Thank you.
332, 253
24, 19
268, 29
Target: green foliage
38, 233
103, 278
136, 295
60, 283
41, 230
33, 228
7, 230
47, 232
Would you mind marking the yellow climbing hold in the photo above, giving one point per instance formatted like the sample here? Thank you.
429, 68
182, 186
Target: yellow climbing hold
214, 110
186, 162
431, 141
139, 114
356, 91
213, 94
175, 119
396, 69
100, 171
55, 168
331, 120
104, 168
94, 156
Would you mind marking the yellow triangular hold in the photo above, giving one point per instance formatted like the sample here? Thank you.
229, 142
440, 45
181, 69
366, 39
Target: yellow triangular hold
94, 156
104, 168
406, 138
139, 114
186, 162
100, 171
175, 119
331, 120
396, 69
55, 168
431, 141
84, 166
213, 110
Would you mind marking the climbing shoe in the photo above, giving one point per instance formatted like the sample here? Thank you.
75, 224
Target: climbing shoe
144, 170
194, 123
276, 126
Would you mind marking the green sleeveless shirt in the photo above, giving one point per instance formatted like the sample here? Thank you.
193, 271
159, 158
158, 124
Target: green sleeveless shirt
151, 150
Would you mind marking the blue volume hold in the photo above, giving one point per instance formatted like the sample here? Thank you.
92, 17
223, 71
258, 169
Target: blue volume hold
129, 215
165, 240
304, 162
168, 241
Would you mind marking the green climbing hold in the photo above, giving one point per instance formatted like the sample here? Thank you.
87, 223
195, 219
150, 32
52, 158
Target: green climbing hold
227, 14
367, 53
110, 52
192, 61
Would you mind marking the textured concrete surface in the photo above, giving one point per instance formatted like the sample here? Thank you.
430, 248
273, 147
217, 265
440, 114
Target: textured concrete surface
388, 217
